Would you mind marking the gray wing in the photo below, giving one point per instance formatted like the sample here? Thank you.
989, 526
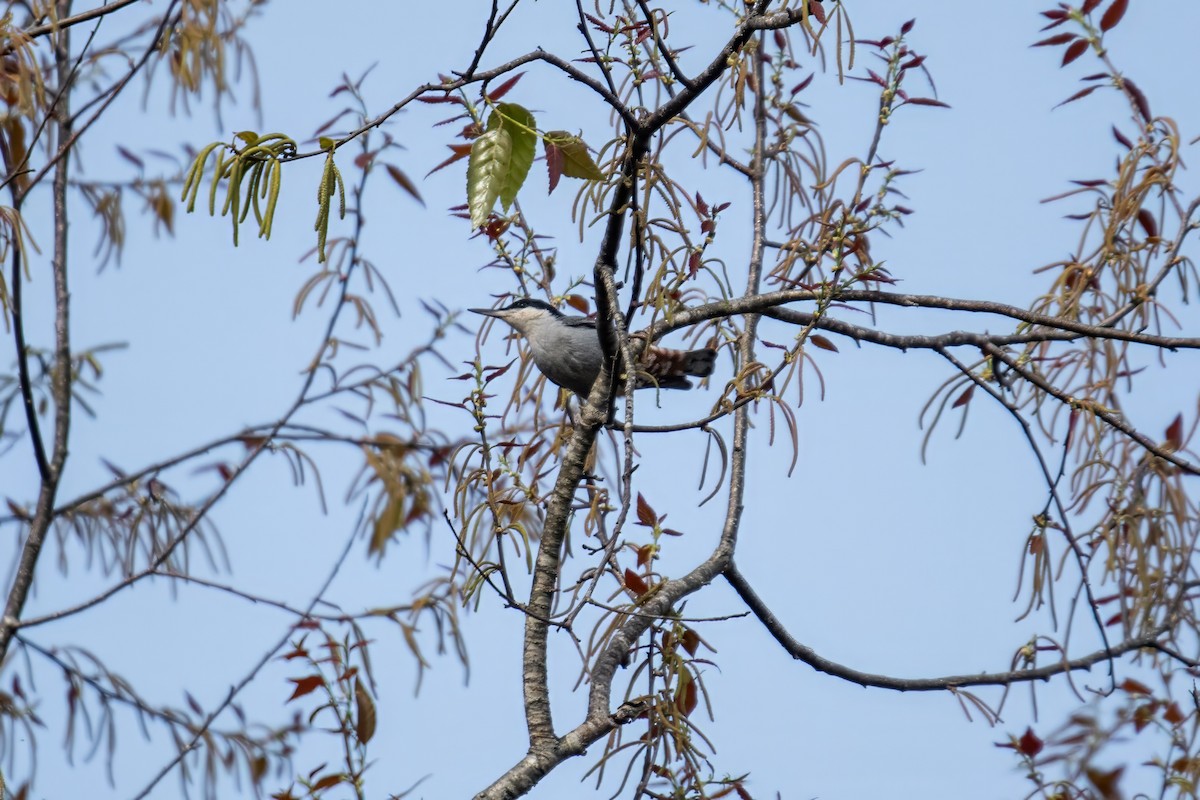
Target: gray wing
578, 322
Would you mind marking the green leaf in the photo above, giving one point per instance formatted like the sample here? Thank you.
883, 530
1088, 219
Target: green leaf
523, 130
576, 161
325, 143
487, 170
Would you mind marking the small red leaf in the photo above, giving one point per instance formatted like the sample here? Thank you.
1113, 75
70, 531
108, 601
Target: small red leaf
1120, 137
1029, 744
964, 398
459, 151
503, 88
823, 343
1113, 15
1174, 714
554, 164
634, 583
817, 10
690, 641
305, 685
1057, 39
908, 26
1146, 220
1175, 433
926, 101
1078, 95
1089, 6
403, 182
1143, 105
1135, 687
578, 302
645, 513
1077, 48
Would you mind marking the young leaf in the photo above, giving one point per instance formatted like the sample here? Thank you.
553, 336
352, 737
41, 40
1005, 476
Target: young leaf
1113, 15
1143, 105
577, 162
1175, 433
502, 89
645, 513
364, 723
1077, 48
519, 124
554, 163
635, 583
823, 343
1029, 744
305, 685
491, 156
1079, 95
404, 182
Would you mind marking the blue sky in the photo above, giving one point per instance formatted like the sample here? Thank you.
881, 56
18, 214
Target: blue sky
873, 558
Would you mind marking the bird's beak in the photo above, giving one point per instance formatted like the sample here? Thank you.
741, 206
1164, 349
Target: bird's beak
488, 312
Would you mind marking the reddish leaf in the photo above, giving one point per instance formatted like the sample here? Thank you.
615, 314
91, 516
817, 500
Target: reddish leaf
1174, 714
459, 151
305, 685
578, 302
1135, 687
926, 101
364, 723
1078, 95
964, 398
1120, 137
645, 554
1146, 220
1074, 415
691, 641
1056, 39
1143, 715
1143, 104
645, 513
1113, 15
908, 26
327, 781
802, 85
554, 163
1090, 5
823, 343
686, 697
1106, 782
1029, 744
817, 10
503, 88
1077, 48
634, 583
130, 157
403, 182
1175, 433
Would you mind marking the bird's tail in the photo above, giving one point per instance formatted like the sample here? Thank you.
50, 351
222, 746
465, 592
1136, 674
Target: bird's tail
668, 369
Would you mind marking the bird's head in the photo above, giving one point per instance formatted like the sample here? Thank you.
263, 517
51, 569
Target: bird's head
522, 314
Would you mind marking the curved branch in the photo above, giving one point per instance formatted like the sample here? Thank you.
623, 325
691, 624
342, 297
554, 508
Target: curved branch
802, 652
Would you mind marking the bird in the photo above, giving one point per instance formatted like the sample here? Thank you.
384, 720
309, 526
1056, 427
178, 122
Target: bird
568, 352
